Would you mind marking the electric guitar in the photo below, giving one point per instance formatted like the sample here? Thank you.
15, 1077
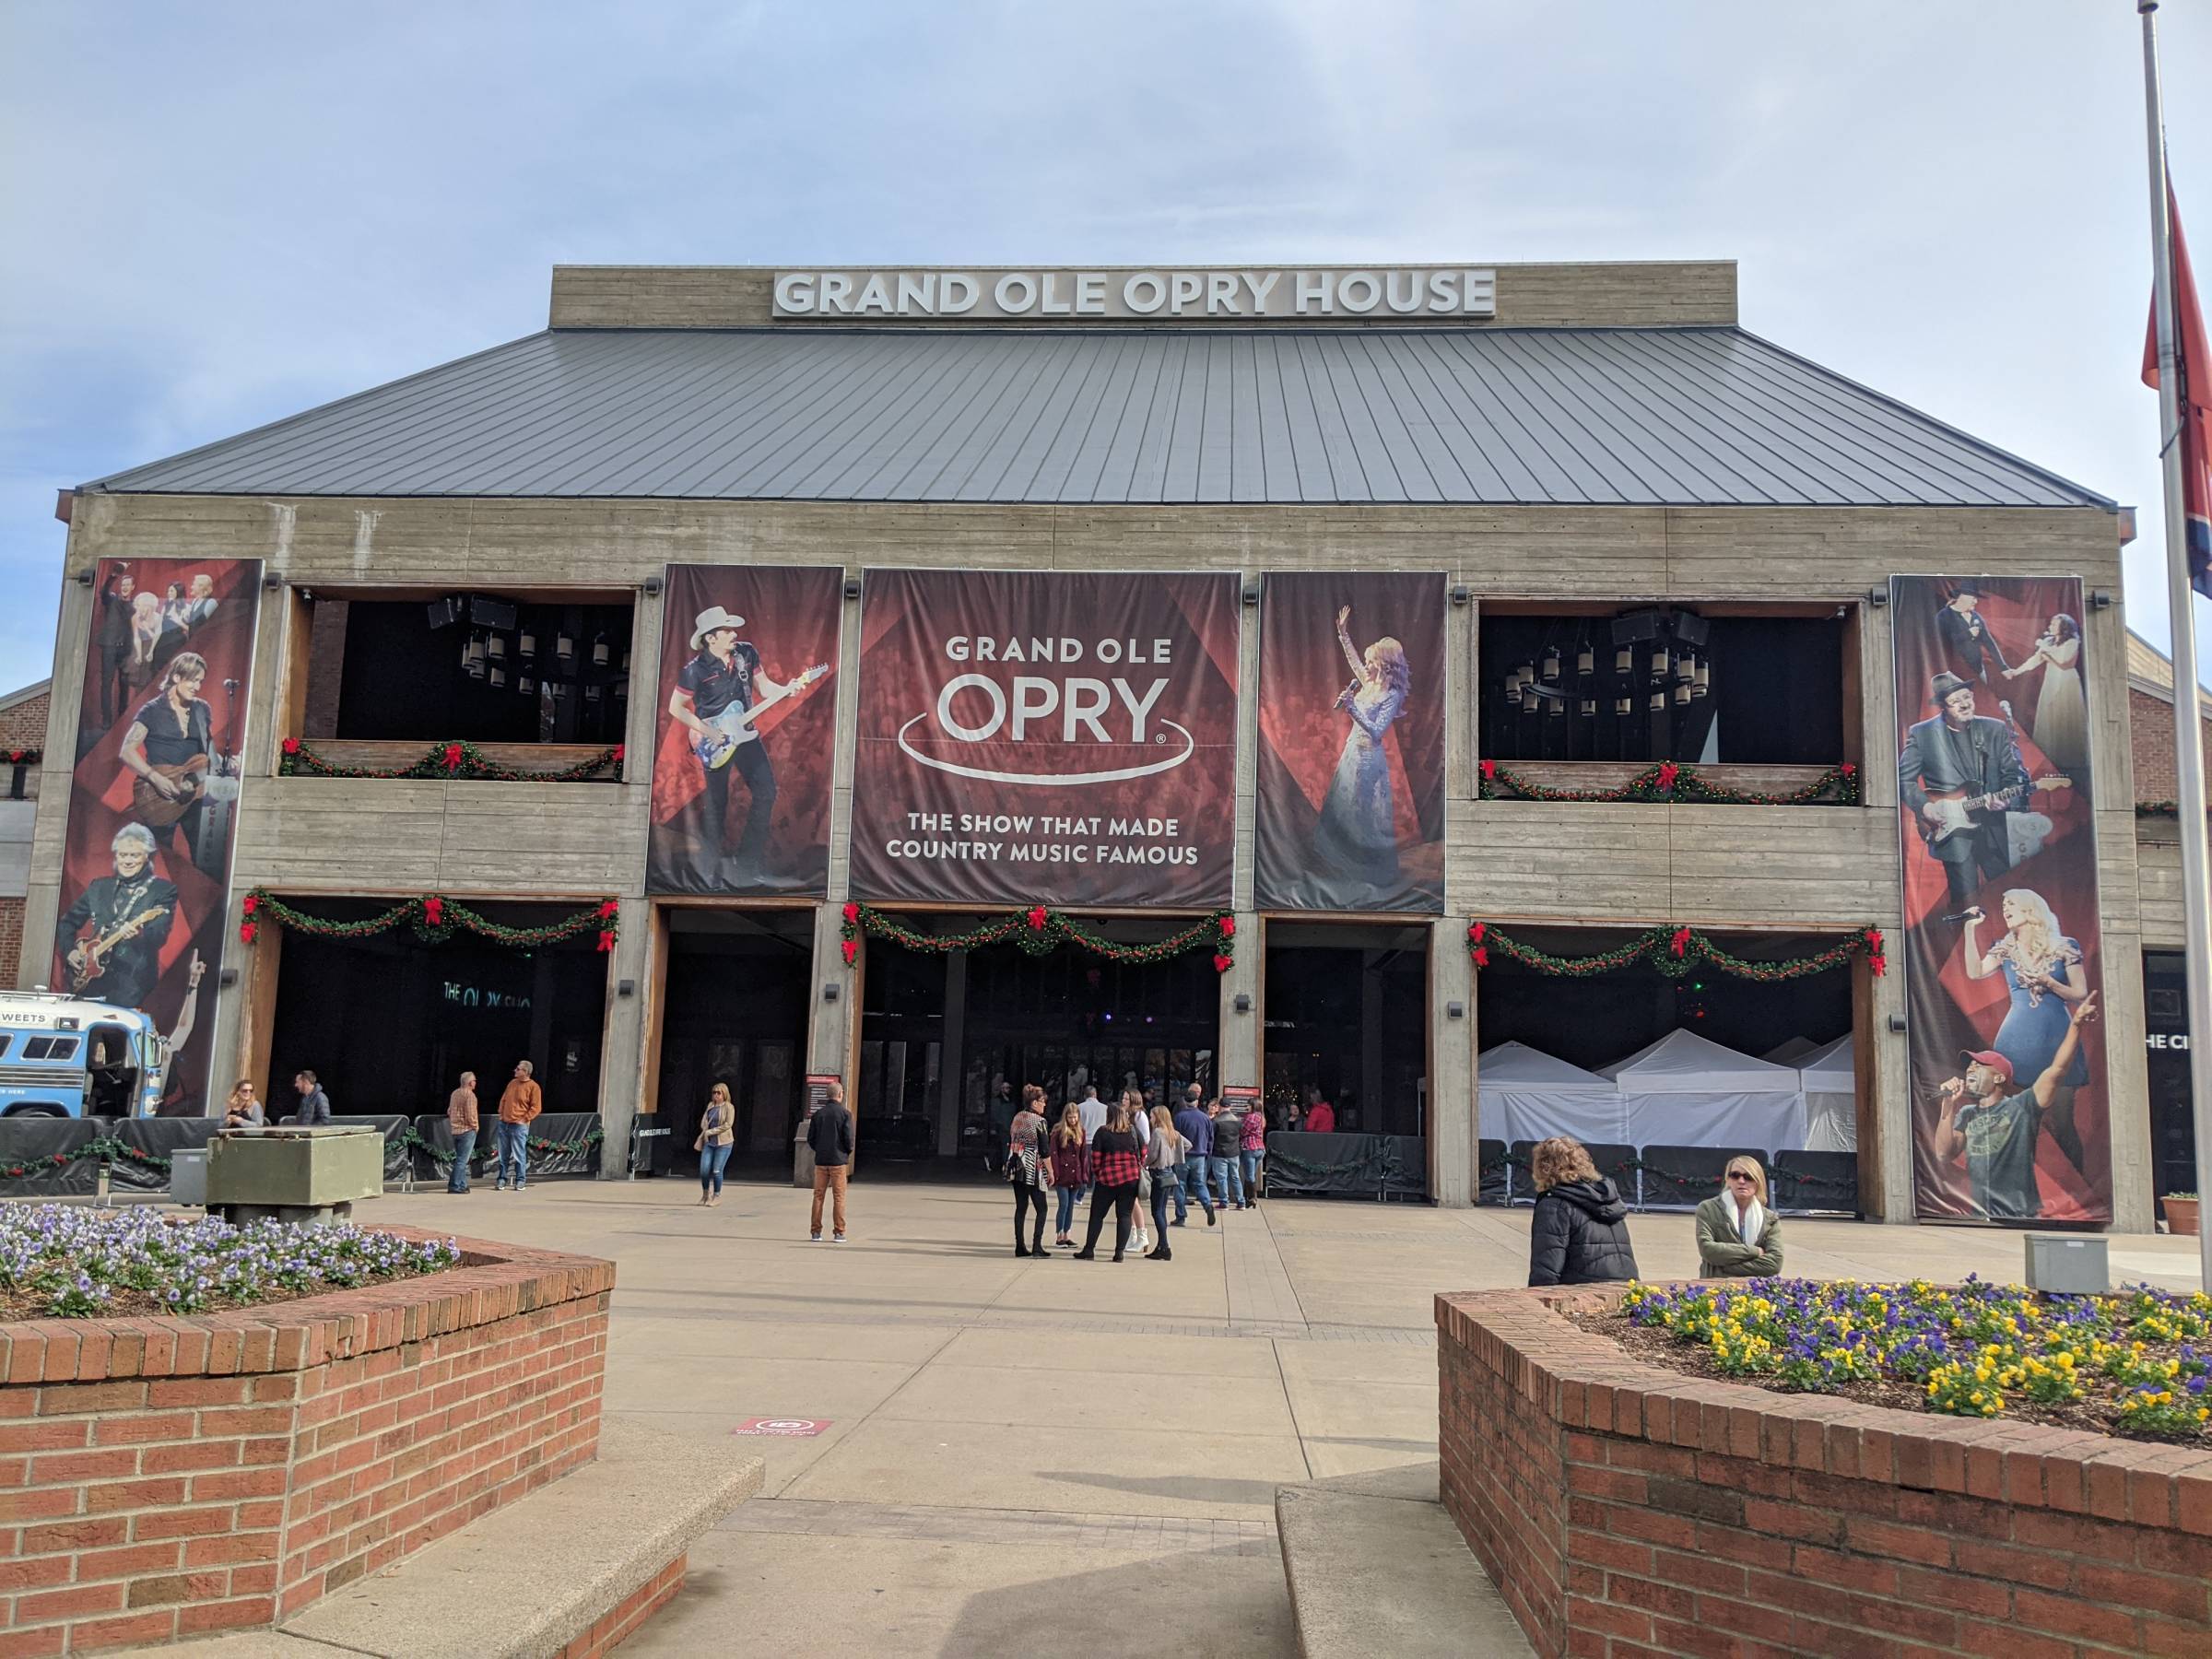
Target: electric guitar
721, 742
86, 963
1956, 808
158, 811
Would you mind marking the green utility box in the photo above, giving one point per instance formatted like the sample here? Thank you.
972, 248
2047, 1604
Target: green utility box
293, 1174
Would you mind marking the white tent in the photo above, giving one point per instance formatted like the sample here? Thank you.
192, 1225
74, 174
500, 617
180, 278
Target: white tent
1686, 1091
1829, 1082
1526, 1094
1790, 1053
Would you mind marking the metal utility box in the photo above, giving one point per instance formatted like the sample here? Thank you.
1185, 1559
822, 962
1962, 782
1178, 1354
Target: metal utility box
2072, 1264
293, 1174
188, 1175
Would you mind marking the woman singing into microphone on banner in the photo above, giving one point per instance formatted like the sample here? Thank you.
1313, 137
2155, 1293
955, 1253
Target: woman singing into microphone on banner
2043, 970
1358, 833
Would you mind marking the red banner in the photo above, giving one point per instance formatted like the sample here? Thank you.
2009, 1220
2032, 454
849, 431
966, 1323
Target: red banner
1034, 737
748, 730
1351, 787
145, 862
2003, 951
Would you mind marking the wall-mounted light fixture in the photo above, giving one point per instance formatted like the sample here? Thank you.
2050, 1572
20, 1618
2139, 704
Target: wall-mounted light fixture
272, 580
1878, 597
229, 976
852, 587
625, 987
1897, 1024
84, 579
1463, 595
2101, 600
653, 587
1243, 1003
829, 992
1455, 1010
1251, 593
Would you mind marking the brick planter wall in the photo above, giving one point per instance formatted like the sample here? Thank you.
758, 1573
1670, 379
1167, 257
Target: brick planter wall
162, 1478
1623, 1509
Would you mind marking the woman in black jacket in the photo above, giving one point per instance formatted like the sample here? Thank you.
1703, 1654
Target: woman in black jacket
1579, 1234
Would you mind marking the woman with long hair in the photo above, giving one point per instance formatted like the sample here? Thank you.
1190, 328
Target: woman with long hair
2044, 974
717, 1134
1358, 833
242, 1110
1070, 1171
1162, 1154
1029, 1167
1579, 1233
1738, 1235
2061, 712
1253, 1148
1140, 1124
1117, 1165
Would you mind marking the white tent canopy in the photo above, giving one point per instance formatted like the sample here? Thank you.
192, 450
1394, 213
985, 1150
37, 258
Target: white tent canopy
1526, 1094
1790, 1053
1685, 1091
1828, 1078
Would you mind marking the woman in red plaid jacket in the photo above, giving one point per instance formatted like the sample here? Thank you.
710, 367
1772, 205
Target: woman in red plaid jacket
1116, 1162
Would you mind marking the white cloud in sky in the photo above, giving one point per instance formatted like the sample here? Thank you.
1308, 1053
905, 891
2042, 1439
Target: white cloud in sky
223, 213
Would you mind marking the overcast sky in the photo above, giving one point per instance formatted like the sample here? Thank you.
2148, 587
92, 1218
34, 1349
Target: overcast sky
221, 214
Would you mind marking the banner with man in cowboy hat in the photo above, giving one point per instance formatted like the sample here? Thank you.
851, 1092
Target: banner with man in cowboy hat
748, 731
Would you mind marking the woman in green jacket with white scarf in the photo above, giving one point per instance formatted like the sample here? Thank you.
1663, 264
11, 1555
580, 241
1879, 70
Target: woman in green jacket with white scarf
1738, 1236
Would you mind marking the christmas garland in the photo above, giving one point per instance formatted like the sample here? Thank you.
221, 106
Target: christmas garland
461, 760
435, 918
1040, 931
25, 756
1669, 781
1674, 952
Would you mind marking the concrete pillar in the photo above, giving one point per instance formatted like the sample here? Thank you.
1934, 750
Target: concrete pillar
1240, 1052
622, 1055
1451, 1125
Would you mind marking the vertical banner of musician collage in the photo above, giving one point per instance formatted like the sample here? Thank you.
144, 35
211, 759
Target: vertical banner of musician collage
153, 794
2003, 948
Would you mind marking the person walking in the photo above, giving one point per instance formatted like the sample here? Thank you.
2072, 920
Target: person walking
717, 1133
1163, 1158
1117, 1167
1070, 1171
1252, 1150
1029, 1166
1197, 1131
520, 1103
1221, 1164
1579, 1234
829, 1134
1140, 1122
1738, 1236
462, 1119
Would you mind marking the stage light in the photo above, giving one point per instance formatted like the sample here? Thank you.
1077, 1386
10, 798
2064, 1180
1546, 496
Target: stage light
599, 651
564, 647
527, 644
495, 647
1551, 664
1586, 660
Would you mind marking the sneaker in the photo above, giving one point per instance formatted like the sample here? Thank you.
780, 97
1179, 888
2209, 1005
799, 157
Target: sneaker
499, 1186
814, 1239
837, 1237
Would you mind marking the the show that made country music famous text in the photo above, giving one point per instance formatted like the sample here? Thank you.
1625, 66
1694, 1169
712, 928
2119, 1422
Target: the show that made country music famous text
1351, 783
747, 730
1047, 738
2003, 954
145, 870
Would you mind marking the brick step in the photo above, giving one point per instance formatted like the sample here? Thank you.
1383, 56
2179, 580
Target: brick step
569, 1570
1376, 1566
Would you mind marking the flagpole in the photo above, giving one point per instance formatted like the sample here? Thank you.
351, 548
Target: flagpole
2188, 727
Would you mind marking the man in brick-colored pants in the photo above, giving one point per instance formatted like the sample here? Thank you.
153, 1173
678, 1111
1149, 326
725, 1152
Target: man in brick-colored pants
830, 1134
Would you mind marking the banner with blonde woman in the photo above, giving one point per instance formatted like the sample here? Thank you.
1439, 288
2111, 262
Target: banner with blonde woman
1351, 786
2003, 952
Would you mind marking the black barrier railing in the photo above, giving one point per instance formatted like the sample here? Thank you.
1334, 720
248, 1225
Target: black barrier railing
1356, 1166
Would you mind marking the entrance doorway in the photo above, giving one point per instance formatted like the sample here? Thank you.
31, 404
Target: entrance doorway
1347, 1014
1060, 1022
734, 1010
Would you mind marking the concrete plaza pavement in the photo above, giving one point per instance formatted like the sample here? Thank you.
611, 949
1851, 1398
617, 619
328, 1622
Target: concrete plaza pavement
1023, 1455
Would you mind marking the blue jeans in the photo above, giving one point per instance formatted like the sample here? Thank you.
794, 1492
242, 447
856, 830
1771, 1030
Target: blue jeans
1191, 1177
712, 1159
1065, 1214
1251, 1160
1227, 1184
513, 1140
464, 1144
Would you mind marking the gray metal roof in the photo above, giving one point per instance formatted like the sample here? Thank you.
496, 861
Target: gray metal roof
1610, 416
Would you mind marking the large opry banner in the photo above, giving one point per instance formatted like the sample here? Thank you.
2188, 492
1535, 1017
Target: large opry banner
1035, 737
2003, 949
146, 861
746, 732
1352, 786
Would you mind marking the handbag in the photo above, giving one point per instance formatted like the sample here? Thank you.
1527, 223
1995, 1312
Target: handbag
1144, 1183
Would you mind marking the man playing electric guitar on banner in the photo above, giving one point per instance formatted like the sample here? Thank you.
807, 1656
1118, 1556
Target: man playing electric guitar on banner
1959, 774
112, 937
718, 695
171, 746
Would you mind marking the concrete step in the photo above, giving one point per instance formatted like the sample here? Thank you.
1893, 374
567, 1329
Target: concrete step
1376, 1566
526, 1581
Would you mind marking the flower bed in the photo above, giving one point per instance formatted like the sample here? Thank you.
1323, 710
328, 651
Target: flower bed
62, 1262
2137, 1364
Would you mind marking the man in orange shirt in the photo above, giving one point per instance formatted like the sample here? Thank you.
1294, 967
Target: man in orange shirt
520, 1102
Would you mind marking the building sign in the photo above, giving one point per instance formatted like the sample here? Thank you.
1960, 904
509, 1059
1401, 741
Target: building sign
1351, 786
748, 730
146, 861
1321, 294
1035, 737
2003, 951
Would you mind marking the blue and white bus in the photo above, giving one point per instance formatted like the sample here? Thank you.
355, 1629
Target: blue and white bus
62, 1057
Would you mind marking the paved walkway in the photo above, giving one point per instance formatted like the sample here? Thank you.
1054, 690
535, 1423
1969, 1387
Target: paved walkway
1030, 1455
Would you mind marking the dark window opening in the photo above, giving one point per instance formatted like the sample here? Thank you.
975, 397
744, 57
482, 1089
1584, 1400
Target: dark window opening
487, 669
734, 1012
1664, 684
1347, 1014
